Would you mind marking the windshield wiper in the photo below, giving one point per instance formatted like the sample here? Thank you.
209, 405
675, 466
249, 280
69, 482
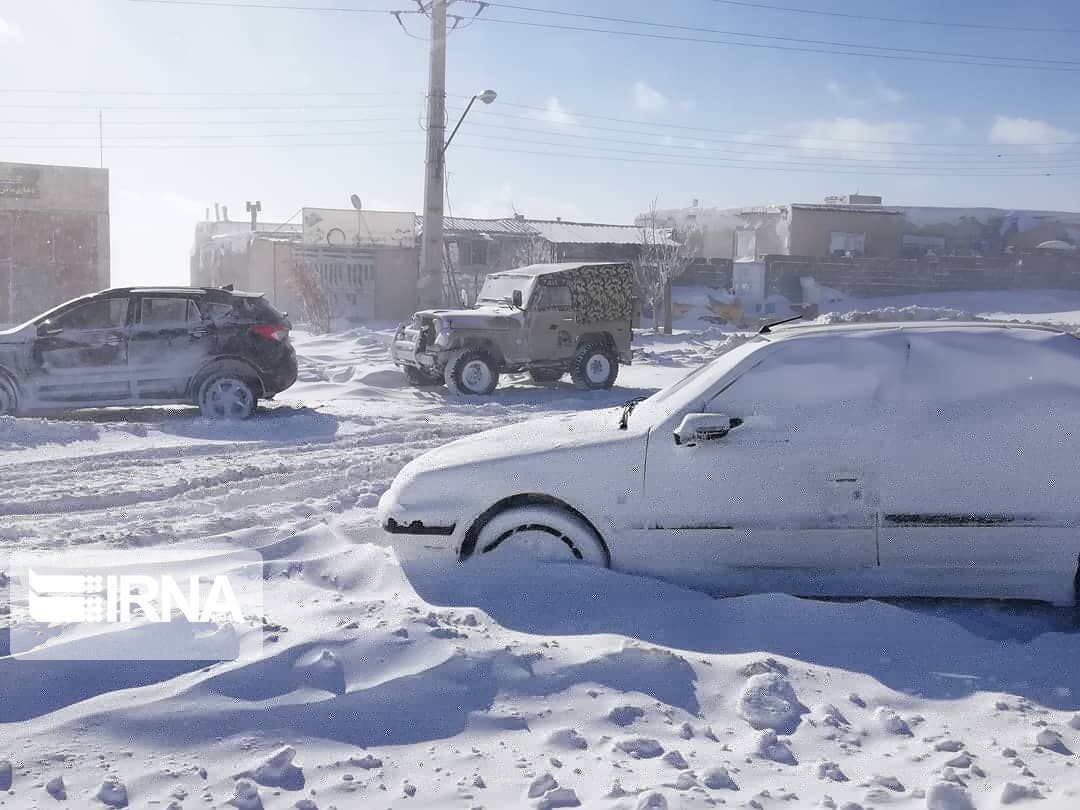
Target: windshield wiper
627, 409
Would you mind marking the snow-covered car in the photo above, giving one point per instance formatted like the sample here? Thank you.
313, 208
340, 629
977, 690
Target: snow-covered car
217, 348
546, 319
934, 459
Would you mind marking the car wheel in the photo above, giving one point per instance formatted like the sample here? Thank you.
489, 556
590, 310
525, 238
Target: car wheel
594, 366
8, 400
544, 533
418, 376
226, 396
546, 376
473, 371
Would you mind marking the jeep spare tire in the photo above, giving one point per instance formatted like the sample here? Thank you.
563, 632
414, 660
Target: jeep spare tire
594, 366
472, 372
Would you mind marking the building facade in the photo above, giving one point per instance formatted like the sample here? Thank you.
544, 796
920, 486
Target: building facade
54, 236
860, 226
351, 266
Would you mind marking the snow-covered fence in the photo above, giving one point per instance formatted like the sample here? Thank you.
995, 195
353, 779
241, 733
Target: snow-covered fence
880, 277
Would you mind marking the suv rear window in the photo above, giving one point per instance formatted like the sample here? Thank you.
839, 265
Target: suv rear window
255, 310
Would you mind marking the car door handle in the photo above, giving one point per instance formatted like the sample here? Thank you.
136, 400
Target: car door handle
197, 333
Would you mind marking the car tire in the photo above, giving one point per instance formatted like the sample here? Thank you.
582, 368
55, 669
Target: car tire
226, 395
594, 366
472, 372
544, 533
9, 400
421, 378
546, 376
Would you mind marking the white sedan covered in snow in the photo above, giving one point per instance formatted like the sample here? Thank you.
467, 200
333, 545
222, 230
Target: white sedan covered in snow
933, 459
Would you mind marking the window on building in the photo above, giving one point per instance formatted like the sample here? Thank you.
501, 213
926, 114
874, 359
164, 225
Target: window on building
844, 243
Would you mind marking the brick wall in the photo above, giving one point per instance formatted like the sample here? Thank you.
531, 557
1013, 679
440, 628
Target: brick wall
869, 278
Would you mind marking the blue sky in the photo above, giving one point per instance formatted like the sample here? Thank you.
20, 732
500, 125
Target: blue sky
705, 114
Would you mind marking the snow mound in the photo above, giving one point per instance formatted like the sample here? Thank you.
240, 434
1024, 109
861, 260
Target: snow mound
112, 792
830, 772
56, 788
278, 770
763, 666
675, 759
770, 747
1014, 792
768, 701
640, 747
567, 739
653, 800
911, 313
560, 797
541, 785
246, 796
948, 796
718, 778
625, 715
892, 723
22, 433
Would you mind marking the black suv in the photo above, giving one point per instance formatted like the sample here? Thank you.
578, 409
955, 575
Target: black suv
217, 348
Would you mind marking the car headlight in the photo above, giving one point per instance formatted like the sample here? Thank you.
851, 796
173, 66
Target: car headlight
442, 338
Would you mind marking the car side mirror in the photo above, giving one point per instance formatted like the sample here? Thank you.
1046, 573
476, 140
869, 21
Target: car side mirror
697, 428
517, 298
48, 329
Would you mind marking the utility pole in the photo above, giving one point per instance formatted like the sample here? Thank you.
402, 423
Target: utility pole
431, 246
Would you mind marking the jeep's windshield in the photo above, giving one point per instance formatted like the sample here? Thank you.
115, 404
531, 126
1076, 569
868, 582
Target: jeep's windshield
499, 288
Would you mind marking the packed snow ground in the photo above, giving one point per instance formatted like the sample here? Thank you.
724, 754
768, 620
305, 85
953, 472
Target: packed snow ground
384, 684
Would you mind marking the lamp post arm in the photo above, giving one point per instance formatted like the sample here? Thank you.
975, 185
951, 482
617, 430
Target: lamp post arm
458, 125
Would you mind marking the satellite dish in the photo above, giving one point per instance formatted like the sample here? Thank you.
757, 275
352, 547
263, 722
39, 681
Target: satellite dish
355, 200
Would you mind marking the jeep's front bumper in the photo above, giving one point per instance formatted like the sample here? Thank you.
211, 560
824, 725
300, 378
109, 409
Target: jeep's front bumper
406, 350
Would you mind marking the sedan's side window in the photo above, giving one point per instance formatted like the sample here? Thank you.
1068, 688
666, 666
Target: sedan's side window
104, 313
167, 311
815, 380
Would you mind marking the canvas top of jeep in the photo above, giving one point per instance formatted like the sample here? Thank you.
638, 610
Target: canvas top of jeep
601, 291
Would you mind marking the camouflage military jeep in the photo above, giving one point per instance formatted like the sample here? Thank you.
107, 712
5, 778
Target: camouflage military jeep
546, 319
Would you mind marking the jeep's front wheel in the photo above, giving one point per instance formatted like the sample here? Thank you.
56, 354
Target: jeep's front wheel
594, 366
473, 372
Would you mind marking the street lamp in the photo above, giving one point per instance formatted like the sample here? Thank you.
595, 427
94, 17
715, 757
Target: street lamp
487, 97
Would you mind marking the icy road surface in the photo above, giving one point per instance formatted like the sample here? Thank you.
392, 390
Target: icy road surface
432, 686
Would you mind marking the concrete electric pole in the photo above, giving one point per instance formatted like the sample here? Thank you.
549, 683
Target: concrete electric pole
431, 246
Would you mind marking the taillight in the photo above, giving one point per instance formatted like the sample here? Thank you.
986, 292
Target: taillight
273, 331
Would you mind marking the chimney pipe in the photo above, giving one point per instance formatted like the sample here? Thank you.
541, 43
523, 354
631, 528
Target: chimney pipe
217, 213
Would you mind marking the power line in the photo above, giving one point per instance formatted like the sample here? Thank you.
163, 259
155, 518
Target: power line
899, 20
936, 159
636, 157
275, 6
865, 51
68, 91
607, 156
773, 47
863, 46
778, 135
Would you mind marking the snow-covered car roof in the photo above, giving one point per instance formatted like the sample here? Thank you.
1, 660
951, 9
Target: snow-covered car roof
793, 330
